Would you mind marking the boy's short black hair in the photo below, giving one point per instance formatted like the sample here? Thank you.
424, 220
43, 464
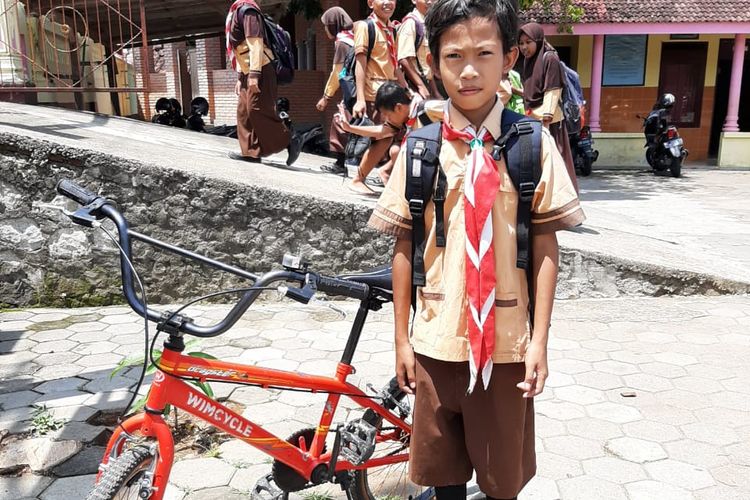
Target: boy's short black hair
446, 13
389, 94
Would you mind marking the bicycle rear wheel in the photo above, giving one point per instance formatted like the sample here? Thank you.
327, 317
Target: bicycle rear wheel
125, 476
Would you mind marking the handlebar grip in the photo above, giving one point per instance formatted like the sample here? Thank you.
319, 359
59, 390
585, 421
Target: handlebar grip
70, 189
335, 286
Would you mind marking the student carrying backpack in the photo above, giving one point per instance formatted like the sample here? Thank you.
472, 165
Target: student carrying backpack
280, 43
571, 99
519, 143
347, 77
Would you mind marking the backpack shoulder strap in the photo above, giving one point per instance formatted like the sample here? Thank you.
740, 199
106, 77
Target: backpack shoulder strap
370, 37
521, 143
422, 163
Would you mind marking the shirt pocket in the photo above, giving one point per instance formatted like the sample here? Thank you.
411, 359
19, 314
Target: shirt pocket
430, 301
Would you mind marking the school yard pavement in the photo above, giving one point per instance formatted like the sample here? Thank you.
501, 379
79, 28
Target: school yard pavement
647, 399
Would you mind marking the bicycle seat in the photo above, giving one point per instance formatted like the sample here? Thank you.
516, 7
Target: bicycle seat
380, 277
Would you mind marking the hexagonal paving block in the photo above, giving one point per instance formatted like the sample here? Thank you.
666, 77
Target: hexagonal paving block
213, 472
124, 329
17, 346
613, 412
25, 486
601, 345
586, 355
675, 358
267, 413
722, 492
685, 399
615, 367
560, 410
591, 487
555, 379
663, 369
574, 447
18, 399
697, 453
680, 474
711, 433
732, 400
51, 335
103, 347
614, 470
569, 366
593, 428
87, 326
649, 490
652, 431
648, 383
635, 450
57, 358
54, 346
547, 427
553, 466
666, 414
580, 394
69, 487
119, 319
61, 385
67, 398
598, 380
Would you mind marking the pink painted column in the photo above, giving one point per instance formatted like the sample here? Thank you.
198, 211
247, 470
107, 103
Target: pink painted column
596, 83
735, 85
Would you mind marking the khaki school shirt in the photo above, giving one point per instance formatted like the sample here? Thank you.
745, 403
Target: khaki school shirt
407, 41
440, 327
379, 68
550, 106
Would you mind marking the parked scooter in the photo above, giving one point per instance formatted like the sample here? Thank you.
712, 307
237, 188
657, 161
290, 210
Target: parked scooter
664, 146
584, 154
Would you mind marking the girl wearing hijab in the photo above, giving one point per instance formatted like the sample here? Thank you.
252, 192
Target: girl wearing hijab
338, 26
542, 85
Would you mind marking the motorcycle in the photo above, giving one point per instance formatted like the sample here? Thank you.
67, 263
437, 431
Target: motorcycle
665, 149
584, 154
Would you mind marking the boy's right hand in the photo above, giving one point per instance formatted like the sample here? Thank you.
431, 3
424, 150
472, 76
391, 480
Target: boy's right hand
406, 368
359, 110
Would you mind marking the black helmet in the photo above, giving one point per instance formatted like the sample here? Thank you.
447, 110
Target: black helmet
162, 105
666, 101
199, 106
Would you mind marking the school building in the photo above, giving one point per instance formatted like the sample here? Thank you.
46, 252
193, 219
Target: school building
629, 53
119, 58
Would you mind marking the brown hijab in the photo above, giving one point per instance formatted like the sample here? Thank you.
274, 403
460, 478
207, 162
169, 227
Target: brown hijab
541, 72
337, 20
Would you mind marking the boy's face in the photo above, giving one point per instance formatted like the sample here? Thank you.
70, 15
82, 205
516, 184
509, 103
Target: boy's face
396, 116
383, 9
471, 64
422, 5
527, 46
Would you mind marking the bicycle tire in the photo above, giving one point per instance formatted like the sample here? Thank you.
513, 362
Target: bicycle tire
121, 473
360, 484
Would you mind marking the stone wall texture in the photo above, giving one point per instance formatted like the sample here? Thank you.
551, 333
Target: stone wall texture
47, 260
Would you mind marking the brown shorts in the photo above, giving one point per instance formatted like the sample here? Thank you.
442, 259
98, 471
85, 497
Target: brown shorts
491, 432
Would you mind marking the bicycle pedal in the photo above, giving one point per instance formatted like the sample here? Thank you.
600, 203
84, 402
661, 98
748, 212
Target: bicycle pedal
265, 489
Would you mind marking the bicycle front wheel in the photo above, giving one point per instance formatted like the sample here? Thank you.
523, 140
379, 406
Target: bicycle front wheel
125, 476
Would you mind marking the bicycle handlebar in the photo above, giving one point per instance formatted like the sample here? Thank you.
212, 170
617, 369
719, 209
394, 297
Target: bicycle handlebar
71, 190
326, 284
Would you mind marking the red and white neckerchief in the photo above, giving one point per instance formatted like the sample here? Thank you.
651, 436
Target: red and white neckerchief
481, 184
388, 32
228, 29
345, 36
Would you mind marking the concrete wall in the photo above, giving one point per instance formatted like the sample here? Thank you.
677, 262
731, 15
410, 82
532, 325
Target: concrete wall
46, 260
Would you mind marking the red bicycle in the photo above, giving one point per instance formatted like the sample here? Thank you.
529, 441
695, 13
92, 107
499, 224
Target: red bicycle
368, 456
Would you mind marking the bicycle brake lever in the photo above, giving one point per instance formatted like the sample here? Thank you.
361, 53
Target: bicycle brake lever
82, 216
322, 302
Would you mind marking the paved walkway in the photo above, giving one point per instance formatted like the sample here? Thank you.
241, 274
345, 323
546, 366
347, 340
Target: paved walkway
648, 398
698, 223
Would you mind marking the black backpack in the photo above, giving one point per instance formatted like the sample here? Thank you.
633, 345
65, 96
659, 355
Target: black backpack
347, 77
520, 143
280, 43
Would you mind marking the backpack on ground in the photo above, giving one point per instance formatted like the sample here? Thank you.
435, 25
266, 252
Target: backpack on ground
280, 43
571, 99
520, 143
347, 77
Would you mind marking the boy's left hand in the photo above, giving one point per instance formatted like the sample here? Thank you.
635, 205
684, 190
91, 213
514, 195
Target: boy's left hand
536, 370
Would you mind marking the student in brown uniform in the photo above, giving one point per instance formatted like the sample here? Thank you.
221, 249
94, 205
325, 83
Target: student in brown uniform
370, 74
260, 130
469, 415
542, 86
413, 50
338, 26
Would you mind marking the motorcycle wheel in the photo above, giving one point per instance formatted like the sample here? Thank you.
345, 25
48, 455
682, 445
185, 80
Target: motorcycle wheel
675, 168
650, 157
586, 166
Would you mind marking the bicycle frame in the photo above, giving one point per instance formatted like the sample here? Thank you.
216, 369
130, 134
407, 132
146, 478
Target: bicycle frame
168, 389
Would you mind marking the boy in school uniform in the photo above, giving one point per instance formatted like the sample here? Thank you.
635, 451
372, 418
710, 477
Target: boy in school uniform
473, 358
370, 74
400, 115
413, 49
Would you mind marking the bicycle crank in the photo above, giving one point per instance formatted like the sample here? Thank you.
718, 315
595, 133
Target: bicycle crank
284, 476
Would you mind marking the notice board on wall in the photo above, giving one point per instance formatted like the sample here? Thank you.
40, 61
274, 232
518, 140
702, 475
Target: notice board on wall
624, 60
